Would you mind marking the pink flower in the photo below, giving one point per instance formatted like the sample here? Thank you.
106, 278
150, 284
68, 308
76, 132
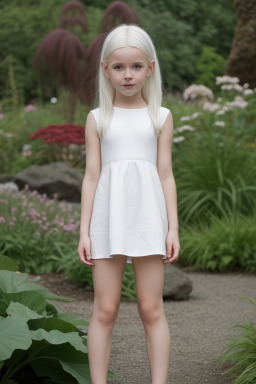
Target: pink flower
30, 107
1, 116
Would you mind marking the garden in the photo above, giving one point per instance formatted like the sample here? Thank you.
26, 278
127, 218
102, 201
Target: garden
42, 122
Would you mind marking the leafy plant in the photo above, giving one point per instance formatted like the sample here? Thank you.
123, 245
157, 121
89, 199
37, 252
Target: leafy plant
38, 341
225, 244
242, 352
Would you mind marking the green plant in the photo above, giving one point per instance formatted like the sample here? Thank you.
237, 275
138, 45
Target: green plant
38, 341
242, 352
225, 244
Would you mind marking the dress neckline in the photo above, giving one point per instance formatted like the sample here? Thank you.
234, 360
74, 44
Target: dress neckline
131, 109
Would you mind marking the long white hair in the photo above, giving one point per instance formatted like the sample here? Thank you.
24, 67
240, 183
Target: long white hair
122, 36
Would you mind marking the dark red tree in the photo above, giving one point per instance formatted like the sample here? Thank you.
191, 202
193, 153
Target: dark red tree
65, 55
63, 134
116, 13
73, 13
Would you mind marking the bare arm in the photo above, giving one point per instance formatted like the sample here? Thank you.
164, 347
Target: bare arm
92, 173
164, 168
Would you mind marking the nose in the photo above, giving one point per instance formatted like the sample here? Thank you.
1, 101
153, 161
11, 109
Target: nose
127, 74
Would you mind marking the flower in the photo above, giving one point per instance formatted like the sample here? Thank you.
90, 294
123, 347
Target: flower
26, 150
1, 116
220, 123
196, 91
178, 139
248, 91
30, 107
64, 134
226, 79
210, 106
184, 128
53, 100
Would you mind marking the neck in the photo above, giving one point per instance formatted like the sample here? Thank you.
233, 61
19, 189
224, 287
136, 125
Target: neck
128, 102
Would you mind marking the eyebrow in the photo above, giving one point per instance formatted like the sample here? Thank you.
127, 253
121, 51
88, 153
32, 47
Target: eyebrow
135, 62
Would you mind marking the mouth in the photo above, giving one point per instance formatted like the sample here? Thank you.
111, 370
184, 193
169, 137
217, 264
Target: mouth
128, 85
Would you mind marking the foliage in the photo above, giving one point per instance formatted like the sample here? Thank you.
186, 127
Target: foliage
241, 352
42, 235
210, 65
225, 244
38, 340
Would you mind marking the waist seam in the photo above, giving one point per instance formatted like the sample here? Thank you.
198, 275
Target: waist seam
133, 160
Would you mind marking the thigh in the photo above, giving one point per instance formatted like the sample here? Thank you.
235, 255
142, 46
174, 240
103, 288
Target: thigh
107, 278
149, 272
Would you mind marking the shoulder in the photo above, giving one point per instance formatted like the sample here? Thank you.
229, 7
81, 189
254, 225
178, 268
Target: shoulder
165, 116
92, 121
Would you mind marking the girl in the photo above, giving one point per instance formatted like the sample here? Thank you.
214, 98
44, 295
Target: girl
129, 199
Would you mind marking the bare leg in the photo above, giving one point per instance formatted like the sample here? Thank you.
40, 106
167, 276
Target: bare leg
149, 277
107, 282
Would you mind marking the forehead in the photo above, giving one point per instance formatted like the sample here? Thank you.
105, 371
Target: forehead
128, 54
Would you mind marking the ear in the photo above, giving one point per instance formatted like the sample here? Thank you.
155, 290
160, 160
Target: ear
151, 68
104, 68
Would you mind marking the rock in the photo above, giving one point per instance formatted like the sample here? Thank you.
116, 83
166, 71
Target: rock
177, 284
10, 185
57, 180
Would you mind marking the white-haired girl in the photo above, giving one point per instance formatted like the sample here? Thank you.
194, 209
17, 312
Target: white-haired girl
129, 198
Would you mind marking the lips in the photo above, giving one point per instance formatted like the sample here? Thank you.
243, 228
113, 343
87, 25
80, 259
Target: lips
128, 85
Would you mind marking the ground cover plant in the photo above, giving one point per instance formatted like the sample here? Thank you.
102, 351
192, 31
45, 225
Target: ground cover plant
241, 352
39, 342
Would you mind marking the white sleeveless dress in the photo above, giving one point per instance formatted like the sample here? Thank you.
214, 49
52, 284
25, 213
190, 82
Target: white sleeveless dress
129, 214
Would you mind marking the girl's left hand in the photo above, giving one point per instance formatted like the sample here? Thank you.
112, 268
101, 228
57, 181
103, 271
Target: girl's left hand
172, 247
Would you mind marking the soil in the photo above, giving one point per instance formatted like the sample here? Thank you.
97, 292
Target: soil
199, 327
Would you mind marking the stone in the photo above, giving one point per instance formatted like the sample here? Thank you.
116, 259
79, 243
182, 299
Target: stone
177, 284
10, 185
57, 180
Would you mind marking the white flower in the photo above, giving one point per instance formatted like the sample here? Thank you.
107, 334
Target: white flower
196, 114
226, 80
219, 99
196, 91
220, 123
248, 91
238, 103
53, 100
210, 106
246, 85
184, 128
178, 139
184, 118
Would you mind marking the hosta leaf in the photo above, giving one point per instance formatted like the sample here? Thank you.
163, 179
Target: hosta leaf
30, 299
12, 282
14, 334
18, 309
57, 337
3, 306
73, 319
53, 369
63, 326
6, 263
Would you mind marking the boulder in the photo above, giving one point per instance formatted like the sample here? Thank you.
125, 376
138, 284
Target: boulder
177, 284
57, 180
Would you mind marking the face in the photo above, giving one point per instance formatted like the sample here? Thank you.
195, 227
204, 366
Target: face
128, 68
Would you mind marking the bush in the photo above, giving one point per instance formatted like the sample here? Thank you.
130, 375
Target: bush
38, 341
242, 352
226, 244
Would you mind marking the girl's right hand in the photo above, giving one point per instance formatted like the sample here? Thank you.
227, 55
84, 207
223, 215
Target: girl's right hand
84, 250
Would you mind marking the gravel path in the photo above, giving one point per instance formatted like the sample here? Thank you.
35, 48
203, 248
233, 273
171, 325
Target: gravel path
196, 326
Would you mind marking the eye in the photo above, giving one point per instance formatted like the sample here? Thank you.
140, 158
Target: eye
137, 66
117, 67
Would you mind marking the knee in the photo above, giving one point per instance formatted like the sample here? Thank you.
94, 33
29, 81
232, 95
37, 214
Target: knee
150, 311
107, 313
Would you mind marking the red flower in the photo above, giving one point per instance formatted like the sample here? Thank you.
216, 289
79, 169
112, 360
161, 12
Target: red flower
64, 134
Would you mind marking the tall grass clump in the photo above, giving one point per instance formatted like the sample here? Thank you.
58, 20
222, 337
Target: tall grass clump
241, 352
228, 243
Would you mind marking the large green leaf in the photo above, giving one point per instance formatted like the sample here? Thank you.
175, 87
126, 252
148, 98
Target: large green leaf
30, 299
57, 337
6, 263
52, 368
73, 319
18, 309
11, 282
74, 362
63, 326
14, 334
3, 306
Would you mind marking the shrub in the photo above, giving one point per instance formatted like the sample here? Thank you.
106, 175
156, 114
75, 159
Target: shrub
226, 244
38, 341
242, 352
